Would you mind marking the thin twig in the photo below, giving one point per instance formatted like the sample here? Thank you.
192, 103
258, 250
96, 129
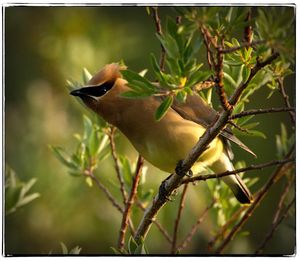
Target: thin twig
174, 181
190, 235
260, 111
259, 65
219, 81
207, 41
203, 85
130, 202
223, 229
248, 33
227, 173
159, 226
286, 100
111, 136
176, 224
275, 226
282, 198
105, 190
272, 180
231, 122
241, 46
107, 193
159, 32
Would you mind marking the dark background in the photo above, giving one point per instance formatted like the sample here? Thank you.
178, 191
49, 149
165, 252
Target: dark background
45, 46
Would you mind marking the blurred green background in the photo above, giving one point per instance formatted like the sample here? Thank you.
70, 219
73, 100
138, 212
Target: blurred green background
45, 46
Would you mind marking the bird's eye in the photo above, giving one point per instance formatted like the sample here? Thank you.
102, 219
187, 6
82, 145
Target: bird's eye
98, 90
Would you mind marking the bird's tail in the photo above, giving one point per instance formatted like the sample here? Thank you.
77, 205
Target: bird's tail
235, 183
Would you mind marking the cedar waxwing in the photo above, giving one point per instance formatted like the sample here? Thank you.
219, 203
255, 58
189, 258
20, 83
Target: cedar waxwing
163, 143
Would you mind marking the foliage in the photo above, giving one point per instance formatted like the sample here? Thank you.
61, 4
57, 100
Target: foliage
211, 31
74, 251
91, 148
17, 193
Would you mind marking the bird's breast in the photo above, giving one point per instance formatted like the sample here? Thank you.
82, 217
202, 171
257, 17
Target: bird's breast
164, 146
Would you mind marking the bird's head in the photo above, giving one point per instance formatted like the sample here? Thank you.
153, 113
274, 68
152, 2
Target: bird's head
102, 92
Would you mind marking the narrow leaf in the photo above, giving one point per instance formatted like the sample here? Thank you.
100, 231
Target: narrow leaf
86, 76
163, 108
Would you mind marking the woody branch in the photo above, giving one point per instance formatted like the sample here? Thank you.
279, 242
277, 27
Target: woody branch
169, 185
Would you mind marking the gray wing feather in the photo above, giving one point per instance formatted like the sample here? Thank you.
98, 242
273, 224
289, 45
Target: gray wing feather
197, 110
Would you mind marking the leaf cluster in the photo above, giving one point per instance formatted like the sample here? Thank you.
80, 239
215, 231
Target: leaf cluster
133, 248
17, 193
91, 148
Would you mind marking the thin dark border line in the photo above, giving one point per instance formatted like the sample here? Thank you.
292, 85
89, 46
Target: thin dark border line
6, 5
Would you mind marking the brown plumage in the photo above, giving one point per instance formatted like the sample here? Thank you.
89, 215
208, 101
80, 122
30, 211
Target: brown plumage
163, 143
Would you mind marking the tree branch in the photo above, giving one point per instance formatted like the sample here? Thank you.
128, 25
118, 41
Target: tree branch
159, 31
181, 206
227, 173
169, 185
130, 201
272, 180
259, 65
286, 100
223, 229
275, 226
260, 111
219, 81
111, 134
104, 189
207, 41
248, 33
282, 198
159, 226
241, 46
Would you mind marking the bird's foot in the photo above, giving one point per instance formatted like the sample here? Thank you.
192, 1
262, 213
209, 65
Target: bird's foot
162, 193
181, 172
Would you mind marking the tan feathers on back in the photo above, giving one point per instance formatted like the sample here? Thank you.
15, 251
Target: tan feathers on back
110, 72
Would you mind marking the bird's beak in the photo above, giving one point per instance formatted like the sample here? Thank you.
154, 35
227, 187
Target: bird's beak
94, 90
76, 92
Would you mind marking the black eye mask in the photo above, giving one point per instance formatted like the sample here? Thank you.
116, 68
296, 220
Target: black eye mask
95, 90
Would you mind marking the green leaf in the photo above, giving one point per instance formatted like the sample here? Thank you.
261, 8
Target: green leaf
197, 77
181, 96
246, 73
132, 245
243, 120
148, 10
64, 248
154, 63
239, 108
75, 251
27, 186
58, 152
27, 199
87, 128
141, 250
133, 76
118, 251
257, 133
163, 108
126, 170
135, 95
93, 142
147, 195
86, 76
143, 72
89, 181
103, 154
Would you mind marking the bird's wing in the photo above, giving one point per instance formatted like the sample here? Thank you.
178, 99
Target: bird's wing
197, 110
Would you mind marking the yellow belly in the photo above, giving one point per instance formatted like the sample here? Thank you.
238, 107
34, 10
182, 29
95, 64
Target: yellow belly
166, 149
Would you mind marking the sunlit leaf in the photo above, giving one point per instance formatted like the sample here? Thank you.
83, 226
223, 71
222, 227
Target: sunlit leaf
163, 108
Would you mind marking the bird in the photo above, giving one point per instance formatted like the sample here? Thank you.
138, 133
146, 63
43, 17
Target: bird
165, 142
